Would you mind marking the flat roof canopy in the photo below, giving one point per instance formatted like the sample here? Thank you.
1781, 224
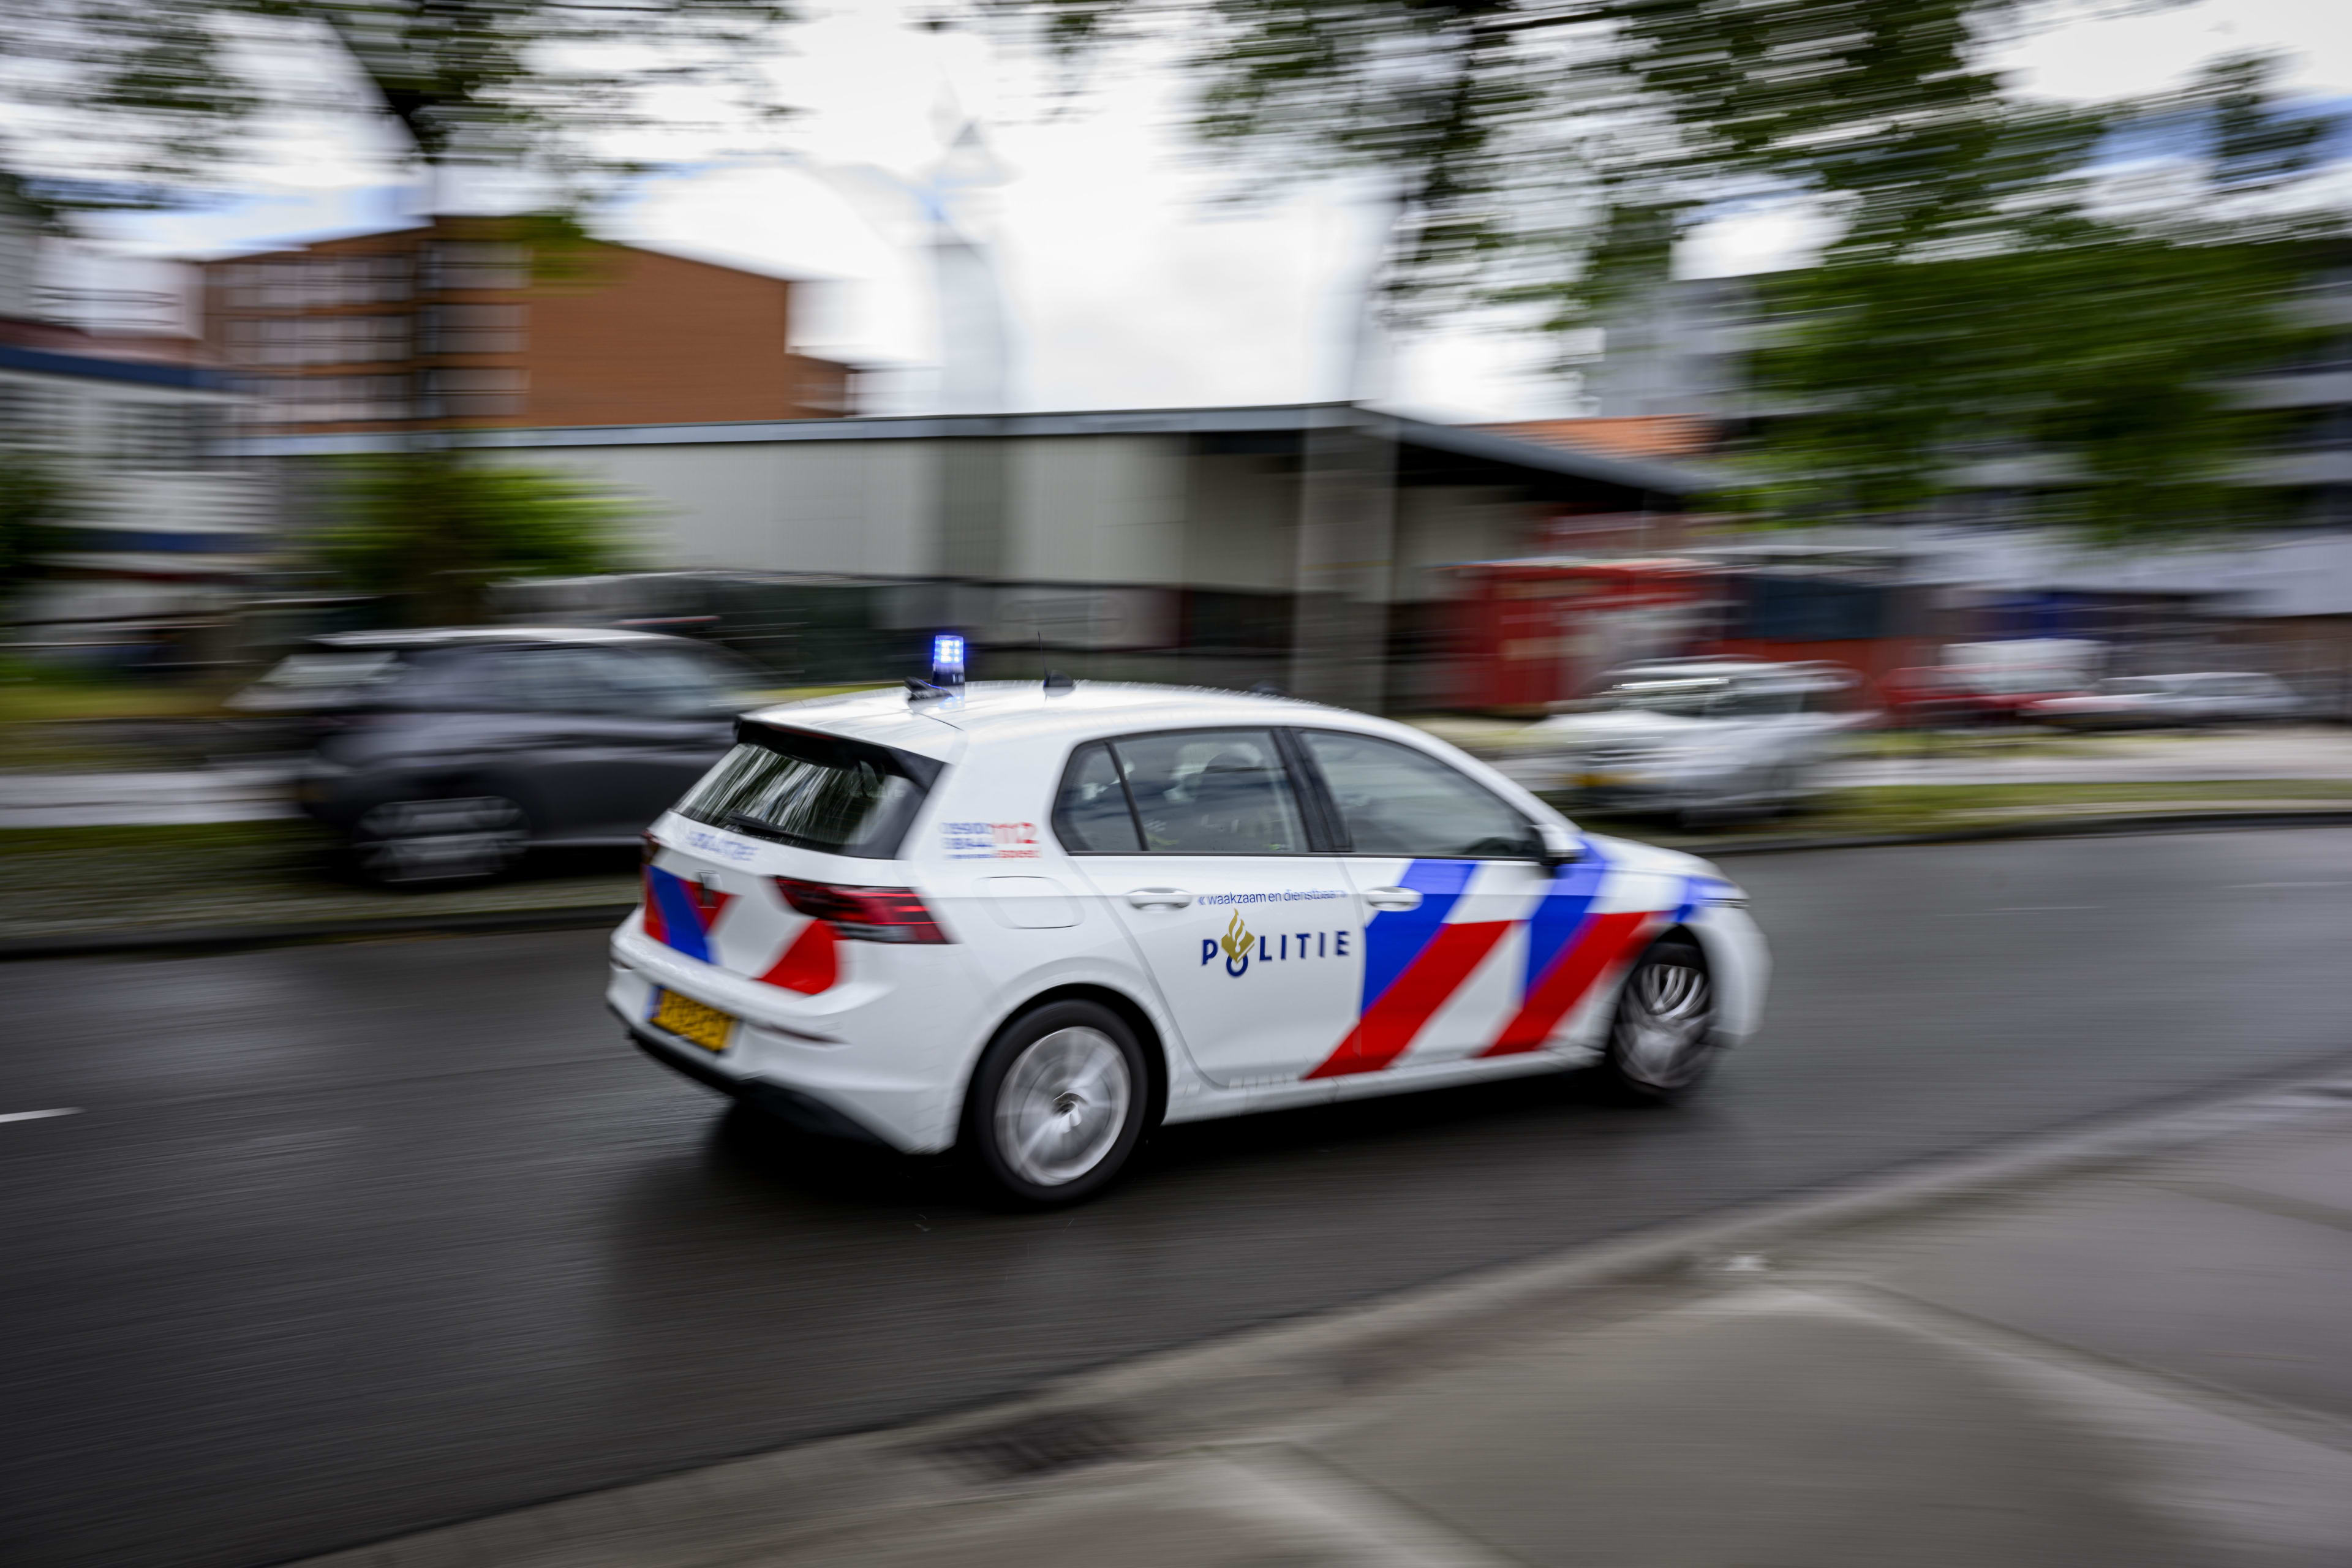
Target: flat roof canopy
1427, 453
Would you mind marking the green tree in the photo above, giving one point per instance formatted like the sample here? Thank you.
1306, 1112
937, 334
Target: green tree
1983, 283
431, 530
113, 97
2096, 368
36, 501
2091, 337
1555, 152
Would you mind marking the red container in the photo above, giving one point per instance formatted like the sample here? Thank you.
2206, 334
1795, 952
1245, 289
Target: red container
1542, 630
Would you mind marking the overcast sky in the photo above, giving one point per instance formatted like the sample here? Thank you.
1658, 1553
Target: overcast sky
1130, 284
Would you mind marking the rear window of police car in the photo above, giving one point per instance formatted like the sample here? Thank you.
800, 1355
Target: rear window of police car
812, 791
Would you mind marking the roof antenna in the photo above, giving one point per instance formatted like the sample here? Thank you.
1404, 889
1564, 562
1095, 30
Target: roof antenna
1055, 682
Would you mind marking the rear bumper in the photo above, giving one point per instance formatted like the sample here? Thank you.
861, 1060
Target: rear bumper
887, 1057
789, 1105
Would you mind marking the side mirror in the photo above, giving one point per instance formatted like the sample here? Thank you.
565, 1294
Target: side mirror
1560, 847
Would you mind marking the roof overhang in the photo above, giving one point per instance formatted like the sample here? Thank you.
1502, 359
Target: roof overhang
1427, 452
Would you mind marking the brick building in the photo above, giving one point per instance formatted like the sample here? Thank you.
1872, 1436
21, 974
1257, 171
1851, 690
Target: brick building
467, 321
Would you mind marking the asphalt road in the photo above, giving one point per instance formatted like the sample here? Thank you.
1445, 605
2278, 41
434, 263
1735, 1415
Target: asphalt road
345, 1241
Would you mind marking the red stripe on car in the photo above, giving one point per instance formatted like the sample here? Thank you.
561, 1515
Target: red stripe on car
1389, 1025
1605, 941
812, 964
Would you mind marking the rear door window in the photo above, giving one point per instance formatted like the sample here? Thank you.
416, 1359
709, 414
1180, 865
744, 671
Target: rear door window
1212, 792
1091, 815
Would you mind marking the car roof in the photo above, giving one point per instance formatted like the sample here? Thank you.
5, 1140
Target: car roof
457, 637
1007, 709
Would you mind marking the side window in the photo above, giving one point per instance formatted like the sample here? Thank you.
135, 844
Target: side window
547, 680
1091, 814
1212, 792
662, 682
1398, 801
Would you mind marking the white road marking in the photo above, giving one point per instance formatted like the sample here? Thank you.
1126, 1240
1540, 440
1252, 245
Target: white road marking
2287, 884
36, 1115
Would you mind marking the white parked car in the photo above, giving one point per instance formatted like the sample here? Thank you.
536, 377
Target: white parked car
1034, 922
2147, 702
1695, 738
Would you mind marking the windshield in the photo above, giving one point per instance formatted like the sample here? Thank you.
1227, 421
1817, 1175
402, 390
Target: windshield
815, 794
1686, 697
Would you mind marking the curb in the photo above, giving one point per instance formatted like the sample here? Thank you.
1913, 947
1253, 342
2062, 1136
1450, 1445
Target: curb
759, 1507
204, 939
193, 939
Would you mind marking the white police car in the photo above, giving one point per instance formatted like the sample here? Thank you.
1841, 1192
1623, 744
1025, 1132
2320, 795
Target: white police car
1035, 921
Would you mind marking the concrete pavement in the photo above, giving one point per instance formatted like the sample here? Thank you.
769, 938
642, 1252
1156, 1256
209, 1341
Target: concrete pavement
2149, 1364
2136, 1358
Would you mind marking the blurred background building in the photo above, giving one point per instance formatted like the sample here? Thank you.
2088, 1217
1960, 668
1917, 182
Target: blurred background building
108, 392
1137, 544
469, 319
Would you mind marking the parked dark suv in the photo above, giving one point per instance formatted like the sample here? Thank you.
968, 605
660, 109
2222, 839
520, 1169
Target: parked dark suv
443, 754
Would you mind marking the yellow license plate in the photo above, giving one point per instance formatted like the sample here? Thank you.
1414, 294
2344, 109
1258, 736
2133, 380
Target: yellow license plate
690, 1021
1600, 781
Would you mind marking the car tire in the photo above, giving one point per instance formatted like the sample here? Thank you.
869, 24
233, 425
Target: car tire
1662, 1036
1057, 1103
439, 842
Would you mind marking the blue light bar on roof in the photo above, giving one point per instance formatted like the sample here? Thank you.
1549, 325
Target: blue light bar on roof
947, 658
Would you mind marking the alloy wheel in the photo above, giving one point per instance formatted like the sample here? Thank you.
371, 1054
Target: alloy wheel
1663, 1023
406, 842
1062, 1105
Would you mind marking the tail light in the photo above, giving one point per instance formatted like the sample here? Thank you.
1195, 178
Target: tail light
863, 914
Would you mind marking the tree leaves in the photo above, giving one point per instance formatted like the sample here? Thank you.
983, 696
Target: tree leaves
123, 93
432, 530
1987, 281
36, 502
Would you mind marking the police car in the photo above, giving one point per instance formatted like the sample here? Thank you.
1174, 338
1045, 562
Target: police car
1034, 920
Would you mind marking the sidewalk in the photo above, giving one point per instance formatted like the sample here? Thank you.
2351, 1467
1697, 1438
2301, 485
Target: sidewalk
219, 793
2139, 1358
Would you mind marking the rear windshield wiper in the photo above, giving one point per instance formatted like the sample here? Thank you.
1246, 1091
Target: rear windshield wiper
742, 822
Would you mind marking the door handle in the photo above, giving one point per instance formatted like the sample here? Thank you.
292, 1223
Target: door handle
1393, 898
1163, 897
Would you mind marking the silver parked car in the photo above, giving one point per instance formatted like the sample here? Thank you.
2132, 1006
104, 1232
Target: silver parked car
1698, 739
2149, 701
